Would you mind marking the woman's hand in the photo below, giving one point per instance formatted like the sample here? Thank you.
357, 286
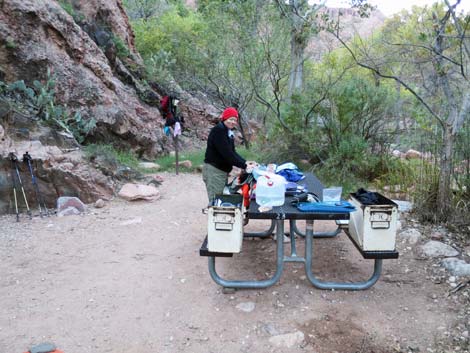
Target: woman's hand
250, 165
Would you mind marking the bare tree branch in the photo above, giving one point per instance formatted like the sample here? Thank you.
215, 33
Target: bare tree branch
396, 78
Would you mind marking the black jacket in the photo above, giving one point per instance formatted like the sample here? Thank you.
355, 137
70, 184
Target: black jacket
220, 151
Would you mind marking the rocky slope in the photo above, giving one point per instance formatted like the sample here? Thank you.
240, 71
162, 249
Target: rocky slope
87, 49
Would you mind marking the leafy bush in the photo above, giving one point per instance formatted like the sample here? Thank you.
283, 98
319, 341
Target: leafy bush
122, 51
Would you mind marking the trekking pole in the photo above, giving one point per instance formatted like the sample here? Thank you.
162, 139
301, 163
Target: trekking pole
27, 159
14, 161
13, 179
175, 139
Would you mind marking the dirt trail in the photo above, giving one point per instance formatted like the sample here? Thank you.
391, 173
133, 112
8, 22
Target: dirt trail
128, 278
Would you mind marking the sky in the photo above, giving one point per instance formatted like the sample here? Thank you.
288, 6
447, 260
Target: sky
389, 7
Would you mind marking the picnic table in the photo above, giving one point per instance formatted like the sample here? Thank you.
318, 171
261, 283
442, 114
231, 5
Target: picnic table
278, 215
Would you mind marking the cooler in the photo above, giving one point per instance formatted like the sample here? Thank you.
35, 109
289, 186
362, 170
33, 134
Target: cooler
374, 226
225, 224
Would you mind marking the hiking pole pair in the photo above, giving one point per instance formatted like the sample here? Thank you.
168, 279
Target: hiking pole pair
28, 159
16, 178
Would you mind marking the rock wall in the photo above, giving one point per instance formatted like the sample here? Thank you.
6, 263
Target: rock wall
90, 77
59, 166
80, 48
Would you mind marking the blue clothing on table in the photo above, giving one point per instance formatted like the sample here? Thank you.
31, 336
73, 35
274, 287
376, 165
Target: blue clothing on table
290, 172
329, 207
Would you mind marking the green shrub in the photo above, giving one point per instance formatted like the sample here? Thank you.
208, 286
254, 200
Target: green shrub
10, 44
111, 156
68, 7
122, 51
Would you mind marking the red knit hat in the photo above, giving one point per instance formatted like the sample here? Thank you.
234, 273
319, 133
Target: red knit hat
229, 113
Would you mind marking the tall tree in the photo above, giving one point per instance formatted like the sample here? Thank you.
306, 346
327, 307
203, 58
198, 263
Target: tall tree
433, 47
302, 18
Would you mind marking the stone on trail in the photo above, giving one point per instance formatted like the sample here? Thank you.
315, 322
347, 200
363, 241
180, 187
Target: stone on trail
149, 165
410, 236
247, 307
435, 249
132, 192
186, 163
136, 220
100, 203
287, 340
456, 266
67, 205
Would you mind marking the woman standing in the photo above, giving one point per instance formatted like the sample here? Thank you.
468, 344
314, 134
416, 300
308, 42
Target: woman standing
220, 154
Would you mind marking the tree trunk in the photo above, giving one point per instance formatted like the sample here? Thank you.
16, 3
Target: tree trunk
297, 64
298, 43
444, 197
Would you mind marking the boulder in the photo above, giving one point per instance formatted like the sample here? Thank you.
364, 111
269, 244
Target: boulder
413, 154
456, 266
66, 202
133, 192
434, 249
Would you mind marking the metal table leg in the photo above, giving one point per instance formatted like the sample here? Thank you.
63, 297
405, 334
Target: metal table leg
334, 285
253, 284
264, 234
317, 234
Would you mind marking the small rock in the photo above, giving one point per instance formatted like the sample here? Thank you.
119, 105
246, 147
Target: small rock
437, 236
99, 203
287, 340
270, 330
131, 221
246, 307
186, 163
413, 154
397, 154
66, 166
149, 165
410, 236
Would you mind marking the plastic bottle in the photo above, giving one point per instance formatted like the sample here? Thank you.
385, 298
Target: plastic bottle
270, 190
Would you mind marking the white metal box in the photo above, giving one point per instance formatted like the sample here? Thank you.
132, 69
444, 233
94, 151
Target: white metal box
225, 224
374, 225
